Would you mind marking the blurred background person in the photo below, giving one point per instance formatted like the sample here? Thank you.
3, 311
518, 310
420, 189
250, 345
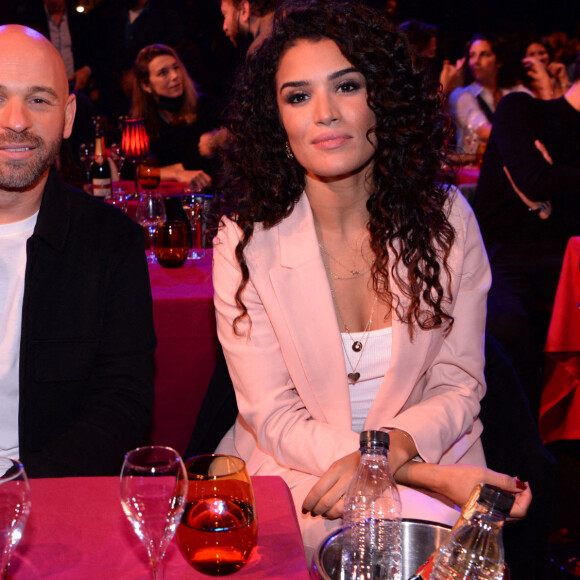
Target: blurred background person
125, 27
489, 76
175, 115
546, 78
248, 19
422, 39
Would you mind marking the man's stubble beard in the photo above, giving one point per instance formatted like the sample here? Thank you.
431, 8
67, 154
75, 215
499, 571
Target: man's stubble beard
23, 175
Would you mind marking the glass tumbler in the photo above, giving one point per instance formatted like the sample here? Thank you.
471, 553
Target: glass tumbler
219, 527
171, 244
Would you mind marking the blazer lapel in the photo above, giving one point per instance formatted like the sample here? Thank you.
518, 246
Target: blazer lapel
303, 292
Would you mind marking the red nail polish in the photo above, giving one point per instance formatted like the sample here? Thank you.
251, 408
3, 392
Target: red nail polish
521, 484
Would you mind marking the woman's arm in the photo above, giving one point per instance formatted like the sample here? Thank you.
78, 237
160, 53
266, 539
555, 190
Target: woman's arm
177, 172
456, 482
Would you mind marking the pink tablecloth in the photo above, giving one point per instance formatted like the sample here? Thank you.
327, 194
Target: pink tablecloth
560, 406
467, 175
77, 531
187, 347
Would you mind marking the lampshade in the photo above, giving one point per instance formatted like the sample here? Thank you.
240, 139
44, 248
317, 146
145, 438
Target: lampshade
135, 141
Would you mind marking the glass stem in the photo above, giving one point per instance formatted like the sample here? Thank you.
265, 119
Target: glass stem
151, 230
157, 569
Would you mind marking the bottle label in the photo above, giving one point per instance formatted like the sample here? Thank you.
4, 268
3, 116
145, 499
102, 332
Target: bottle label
101, 187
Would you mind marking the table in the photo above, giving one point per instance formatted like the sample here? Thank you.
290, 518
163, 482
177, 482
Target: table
77, 531
560, 404
187, 347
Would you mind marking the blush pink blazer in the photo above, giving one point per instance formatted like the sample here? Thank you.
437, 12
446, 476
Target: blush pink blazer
288, 366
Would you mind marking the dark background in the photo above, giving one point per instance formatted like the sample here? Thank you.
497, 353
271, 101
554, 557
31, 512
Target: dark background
458, 20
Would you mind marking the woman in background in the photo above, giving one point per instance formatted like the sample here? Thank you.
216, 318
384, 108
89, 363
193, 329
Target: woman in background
492, 75
544, 77
350, 286
175, 115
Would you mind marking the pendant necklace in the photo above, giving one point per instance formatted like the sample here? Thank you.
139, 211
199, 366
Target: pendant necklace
357, 345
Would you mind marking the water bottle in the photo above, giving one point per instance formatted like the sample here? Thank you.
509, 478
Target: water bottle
474, 551
371, 546
424, 571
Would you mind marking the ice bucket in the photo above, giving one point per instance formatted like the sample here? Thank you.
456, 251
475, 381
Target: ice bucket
419, 540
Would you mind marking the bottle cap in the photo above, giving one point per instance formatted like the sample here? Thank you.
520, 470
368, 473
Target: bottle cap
496, 498
374, 439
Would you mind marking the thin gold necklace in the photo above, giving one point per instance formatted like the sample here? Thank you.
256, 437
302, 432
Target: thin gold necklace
353, 273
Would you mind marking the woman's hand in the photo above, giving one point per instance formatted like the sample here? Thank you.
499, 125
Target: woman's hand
326, 498
539, 76
192, 176
455, 482
451, 76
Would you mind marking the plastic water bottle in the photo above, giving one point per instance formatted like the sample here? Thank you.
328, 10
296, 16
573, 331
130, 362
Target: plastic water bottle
424, 571
474, 551
371, 546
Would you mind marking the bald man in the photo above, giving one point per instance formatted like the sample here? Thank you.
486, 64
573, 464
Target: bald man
76, 330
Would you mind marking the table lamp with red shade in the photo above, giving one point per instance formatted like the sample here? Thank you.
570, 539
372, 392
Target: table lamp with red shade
135, 143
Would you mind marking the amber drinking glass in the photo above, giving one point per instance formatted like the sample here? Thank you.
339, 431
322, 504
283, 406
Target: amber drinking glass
219, 527
171, 244
149, 174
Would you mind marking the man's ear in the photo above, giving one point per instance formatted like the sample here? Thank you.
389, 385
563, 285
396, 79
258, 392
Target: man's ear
245, 11
70, 110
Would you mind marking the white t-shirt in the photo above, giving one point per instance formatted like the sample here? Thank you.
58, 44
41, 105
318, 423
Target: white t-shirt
372, 366
13, 239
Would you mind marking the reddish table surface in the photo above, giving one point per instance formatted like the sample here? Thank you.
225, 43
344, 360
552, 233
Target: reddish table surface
77, 531
467, 175
560, 406
187, 347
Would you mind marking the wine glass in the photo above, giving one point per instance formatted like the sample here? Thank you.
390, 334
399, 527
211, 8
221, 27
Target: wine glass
191, 201
14, 507
87, 155
151, 214
118, 156
153, 494
219, 527
148, 174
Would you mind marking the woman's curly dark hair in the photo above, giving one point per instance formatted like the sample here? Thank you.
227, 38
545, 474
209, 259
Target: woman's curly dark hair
408, 224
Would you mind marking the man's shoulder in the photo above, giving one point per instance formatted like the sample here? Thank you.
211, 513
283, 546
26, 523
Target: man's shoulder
67, 211
518, 100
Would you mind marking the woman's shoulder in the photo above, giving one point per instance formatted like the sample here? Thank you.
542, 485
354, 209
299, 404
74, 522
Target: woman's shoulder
459, 212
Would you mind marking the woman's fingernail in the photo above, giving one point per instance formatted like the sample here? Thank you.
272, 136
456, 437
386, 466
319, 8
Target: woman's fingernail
520, 484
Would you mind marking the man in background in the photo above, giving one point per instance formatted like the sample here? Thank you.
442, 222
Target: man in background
248, 18
76, 329
69, 31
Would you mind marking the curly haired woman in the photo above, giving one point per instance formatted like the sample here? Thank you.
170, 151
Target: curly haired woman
350, 287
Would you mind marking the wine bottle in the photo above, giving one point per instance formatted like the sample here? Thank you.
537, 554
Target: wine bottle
100, 169
424, 571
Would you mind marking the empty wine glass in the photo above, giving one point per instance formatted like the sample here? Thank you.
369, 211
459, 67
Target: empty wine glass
87, 155
14, 507
118, 156
151, 214
191, 201
153, 495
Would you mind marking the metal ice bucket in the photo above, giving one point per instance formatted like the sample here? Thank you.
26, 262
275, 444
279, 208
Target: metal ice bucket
419, 541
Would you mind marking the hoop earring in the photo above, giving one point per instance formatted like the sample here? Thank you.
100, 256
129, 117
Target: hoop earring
289, 153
